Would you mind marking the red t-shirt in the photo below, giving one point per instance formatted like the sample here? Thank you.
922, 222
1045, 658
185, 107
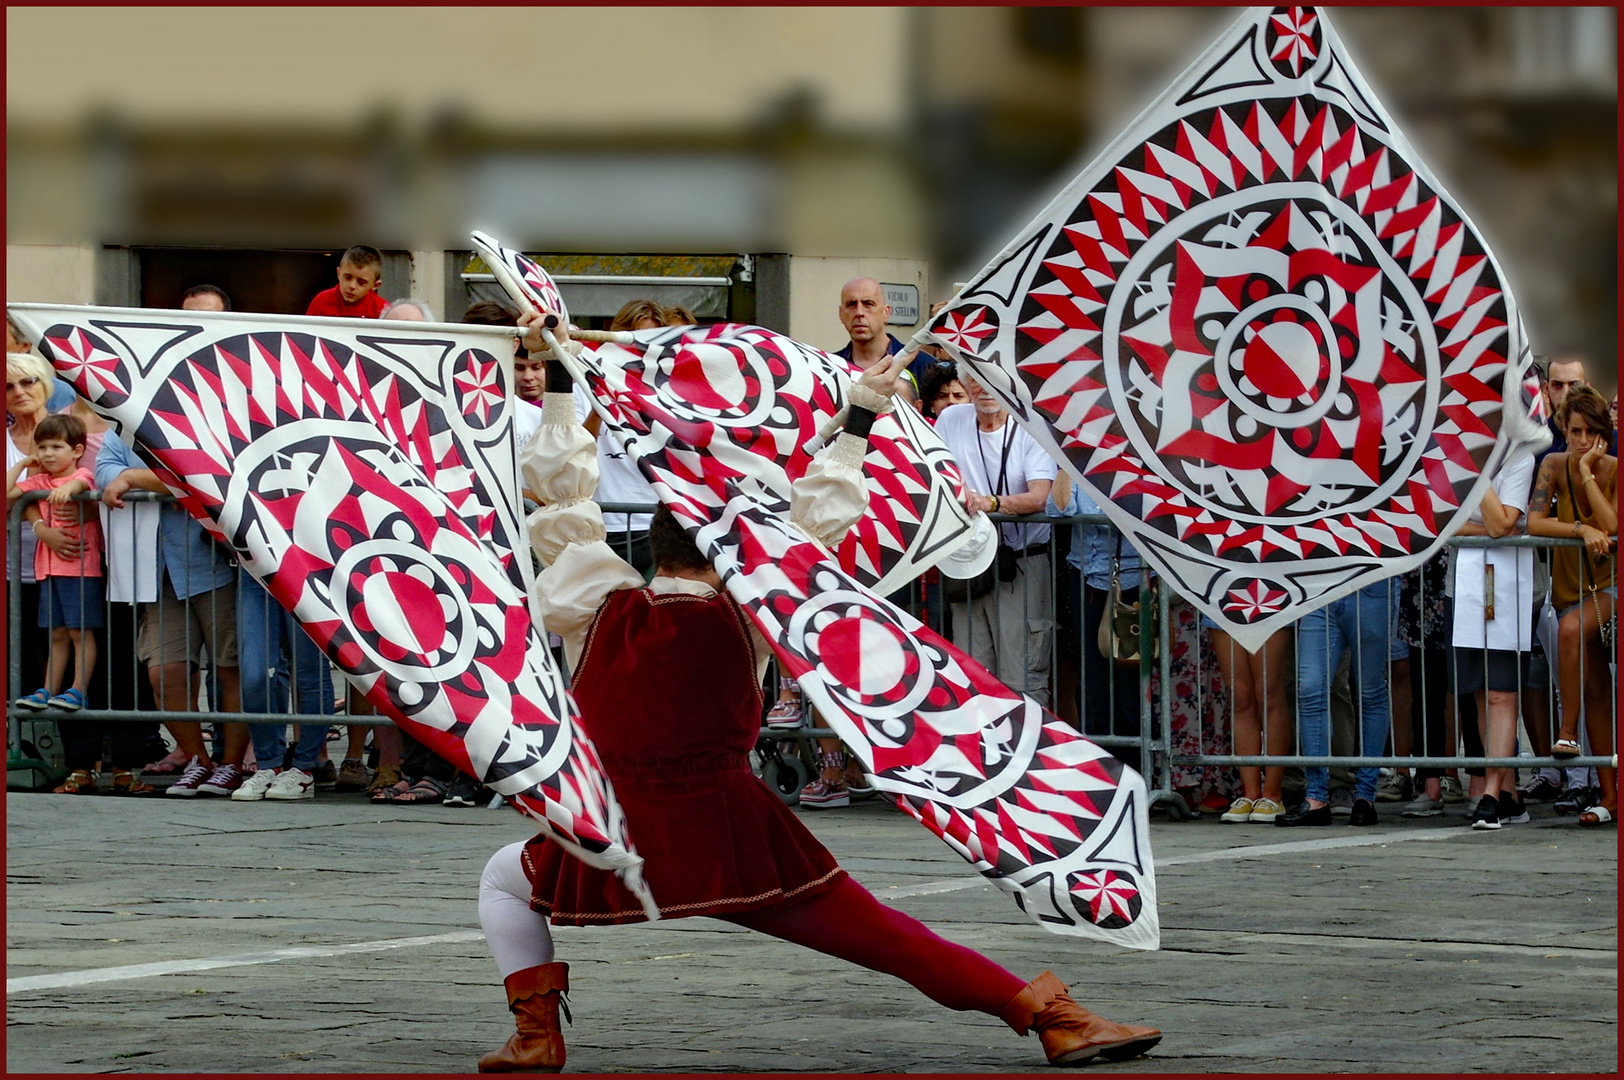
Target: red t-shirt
329, 302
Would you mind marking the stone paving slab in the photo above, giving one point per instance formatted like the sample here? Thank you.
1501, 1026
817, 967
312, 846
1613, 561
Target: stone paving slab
1423, 947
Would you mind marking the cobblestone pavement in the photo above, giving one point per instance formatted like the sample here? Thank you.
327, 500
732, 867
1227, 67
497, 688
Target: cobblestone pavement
162, 935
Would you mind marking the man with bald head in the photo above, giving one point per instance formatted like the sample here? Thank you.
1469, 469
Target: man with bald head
863, 312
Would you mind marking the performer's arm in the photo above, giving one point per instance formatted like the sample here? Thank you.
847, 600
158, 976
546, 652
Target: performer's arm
560, 464
831, 496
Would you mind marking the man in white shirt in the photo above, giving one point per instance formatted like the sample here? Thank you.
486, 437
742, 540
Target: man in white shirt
1007, 630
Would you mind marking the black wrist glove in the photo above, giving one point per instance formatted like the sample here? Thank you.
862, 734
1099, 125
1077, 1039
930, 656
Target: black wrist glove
859, 420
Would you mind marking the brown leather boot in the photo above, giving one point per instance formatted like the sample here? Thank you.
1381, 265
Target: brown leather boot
1071, 1035
534, 997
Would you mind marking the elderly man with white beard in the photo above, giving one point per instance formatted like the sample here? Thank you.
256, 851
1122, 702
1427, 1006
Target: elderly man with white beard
1007, 630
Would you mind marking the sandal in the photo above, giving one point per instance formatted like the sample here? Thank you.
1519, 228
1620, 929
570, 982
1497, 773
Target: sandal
425, 790
1596, 815
388, 794
78, 782
1563, 749
167, 766
126, 783
386, 778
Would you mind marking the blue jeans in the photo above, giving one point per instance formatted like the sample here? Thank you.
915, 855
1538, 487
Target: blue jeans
266, 635
1366, 623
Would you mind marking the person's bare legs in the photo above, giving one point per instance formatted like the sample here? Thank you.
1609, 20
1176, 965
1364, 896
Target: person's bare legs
84, 653
1569, 678
58, 658
170, 686
1599, 690
1497, 722
1243, 674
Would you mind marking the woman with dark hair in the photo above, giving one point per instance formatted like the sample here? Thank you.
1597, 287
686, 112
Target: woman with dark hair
939, 387
1576, 495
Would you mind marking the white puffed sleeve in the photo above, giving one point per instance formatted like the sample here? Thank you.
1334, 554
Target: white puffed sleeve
829, 498
560, 466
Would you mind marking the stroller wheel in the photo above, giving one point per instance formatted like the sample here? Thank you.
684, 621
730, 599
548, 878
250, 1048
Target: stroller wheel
786, 775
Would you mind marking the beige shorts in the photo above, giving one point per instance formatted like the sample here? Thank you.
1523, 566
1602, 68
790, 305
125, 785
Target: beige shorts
174, 631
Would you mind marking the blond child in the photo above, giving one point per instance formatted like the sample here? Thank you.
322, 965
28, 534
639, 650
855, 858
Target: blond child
71, 589
355, 296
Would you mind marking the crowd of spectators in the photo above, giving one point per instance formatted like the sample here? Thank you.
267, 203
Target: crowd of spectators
1489, 650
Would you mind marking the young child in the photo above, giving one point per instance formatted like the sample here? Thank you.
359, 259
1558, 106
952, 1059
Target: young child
356, 294
71, 591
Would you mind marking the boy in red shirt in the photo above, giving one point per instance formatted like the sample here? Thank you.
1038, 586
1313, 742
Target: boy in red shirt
71, 592
356, 294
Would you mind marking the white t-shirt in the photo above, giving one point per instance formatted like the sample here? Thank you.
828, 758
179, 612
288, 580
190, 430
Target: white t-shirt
980, 454
1512, 625
618, 478
526, 421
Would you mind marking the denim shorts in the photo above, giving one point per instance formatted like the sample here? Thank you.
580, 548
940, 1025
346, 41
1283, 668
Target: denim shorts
73, 602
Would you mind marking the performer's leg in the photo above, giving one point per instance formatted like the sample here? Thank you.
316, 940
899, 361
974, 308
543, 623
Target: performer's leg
517, 934
523, 947
849, 923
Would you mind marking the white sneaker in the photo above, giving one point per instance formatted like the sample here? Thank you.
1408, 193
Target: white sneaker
292, 784
253, 788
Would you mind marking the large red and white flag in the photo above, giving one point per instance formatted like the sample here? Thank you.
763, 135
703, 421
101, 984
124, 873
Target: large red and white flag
365, 473
718, 419
1261, 334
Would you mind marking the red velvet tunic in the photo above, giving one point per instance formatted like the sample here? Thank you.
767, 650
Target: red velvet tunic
668, 694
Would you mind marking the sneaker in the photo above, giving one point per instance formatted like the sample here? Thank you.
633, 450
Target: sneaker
291, 784
1341, 801
324, 774
1540, 789
194, 774
823, 794
1572, 801
464, 791
784, 716
1394, 786
38, 701
222, 781
1449, 790
1486, 815
69, 700
1423, 805
253, 786
1511, 809
1239, 811
352, 776
1264, 811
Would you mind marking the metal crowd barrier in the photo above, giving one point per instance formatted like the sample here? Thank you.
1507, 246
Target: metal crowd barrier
1139, 714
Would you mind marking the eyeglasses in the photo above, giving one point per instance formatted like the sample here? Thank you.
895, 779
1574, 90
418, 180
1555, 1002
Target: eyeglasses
22, 384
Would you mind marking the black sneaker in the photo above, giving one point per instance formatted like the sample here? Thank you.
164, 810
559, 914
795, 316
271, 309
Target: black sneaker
464, 791
1487, 814
1572, 801
1512, 810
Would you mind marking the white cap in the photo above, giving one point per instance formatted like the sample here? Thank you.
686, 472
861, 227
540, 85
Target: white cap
976, 553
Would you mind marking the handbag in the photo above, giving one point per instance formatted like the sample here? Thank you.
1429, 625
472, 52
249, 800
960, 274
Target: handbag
1118, 637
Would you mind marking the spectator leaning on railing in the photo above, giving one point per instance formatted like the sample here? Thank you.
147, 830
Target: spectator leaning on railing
1493, 639
1576, 496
